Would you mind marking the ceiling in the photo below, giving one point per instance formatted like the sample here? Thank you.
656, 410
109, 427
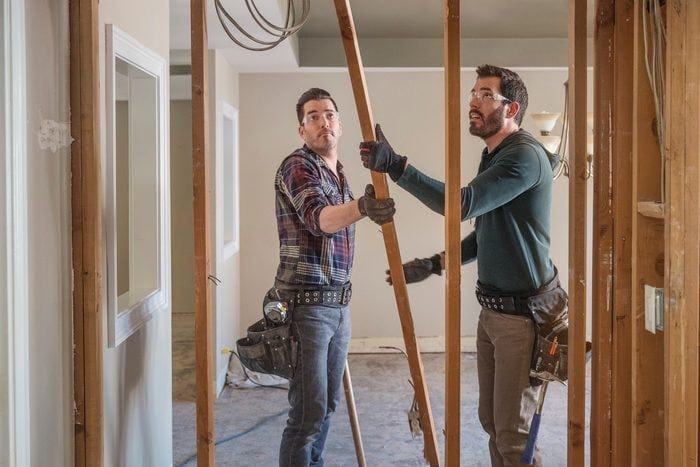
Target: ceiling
423, 19
379, 23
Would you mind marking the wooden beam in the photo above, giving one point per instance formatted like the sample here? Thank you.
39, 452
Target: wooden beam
391, 243
647, 396
86, 205
577, 232
453, 257
623, 211
203, 334
352, 413
682, 233
602, 267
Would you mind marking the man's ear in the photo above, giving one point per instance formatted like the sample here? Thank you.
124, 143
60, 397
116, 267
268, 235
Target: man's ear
301, 131
513, 109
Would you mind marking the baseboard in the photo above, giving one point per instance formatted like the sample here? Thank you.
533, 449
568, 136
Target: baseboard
433, 344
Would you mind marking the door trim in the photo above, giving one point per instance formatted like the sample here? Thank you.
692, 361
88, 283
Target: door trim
14, 311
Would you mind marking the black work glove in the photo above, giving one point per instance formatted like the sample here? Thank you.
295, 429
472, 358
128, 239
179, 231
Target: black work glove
380, 211
380, 157
419, 269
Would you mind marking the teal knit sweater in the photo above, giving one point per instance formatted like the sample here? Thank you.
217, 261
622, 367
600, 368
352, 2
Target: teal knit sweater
510, 199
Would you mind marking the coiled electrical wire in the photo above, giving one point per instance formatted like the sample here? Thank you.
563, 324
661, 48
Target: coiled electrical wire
277, 33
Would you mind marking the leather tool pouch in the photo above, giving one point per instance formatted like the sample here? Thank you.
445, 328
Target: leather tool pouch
549, 310
269, 347
268, 350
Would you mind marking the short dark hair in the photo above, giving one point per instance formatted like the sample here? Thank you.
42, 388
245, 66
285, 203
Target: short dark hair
512, 86
313, 94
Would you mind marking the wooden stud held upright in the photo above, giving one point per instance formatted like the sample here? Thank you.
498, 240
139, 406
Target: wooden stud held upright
359, 87
453, 257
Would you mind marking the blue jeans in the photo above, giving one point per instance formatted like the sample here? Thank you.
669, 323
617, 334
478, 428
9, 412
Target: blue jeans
323, 336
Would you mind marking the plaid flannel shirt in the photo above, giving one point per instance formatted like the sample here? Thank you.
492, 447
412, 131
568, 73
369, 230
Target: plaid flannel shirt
304, 185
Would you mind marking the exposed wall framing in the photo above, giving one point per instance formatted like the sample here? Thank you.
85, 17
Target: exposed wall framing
577, 233
603, 235
639, 241
86, 204
682, 229
647, 396
622, 204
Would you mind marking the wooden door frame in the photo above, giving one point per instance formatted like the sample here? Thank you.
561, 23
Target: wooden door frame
86, 203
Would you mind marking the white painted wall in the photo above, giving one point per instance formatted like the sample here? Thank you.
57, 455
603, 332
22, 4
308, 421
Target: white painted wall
410, 106
224, 87
49, 239
137, 384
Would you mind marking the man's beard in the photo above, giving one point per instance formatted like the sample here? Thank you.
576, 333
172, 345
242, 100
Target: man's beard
491, 124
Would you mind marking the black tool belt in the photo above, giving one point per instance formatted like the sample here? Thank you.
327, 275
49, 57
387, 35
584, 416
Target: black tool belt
503, 303
323, 295
550, 299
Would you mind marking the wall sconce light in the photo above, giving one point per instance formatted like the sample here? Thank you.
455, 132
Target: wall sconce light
544, 122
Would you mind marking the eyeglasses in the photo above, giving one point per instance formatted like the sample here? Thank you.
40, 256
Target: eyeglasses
483, 95
316, 118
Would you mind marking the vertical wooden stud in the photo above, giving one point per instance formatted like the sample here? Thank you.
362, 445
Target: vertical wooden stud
647, 395
682, 233
86, 205
202, 287
577, 232
603, 252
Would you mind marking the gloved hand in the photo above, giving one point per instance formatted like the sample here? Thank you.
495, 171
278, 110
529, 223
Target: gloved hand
380, 157
380, 211
419, 269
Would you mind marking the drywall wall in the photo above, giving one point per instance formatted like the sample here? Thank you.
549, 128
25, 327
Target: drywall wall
137, 389
223, 90
49, 239
410, 106
182, 247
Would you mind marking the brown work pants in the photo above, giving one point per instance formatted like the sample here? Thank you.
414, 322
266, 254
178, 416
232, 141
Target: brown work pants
506, 399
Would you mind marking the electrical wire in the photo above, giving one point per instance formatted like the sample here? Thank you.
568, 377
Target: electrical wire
272, 34
654, 47
563, 146
252, 428
238, 435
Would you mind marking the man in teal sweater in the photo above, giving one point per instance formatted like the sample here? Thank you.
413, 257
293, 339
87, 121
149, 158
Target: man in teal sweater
510, 200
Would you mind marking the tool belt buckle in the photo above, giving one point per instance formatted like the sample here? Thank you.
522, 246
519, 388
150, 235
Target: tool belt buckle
345, 295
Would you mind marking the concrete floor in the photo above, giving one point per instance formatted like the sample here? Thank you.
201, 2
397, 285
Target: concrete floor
249, 422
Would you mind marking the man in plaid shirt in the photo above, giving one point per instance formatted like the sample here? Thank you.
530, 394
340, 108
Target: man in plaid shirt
316, 213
